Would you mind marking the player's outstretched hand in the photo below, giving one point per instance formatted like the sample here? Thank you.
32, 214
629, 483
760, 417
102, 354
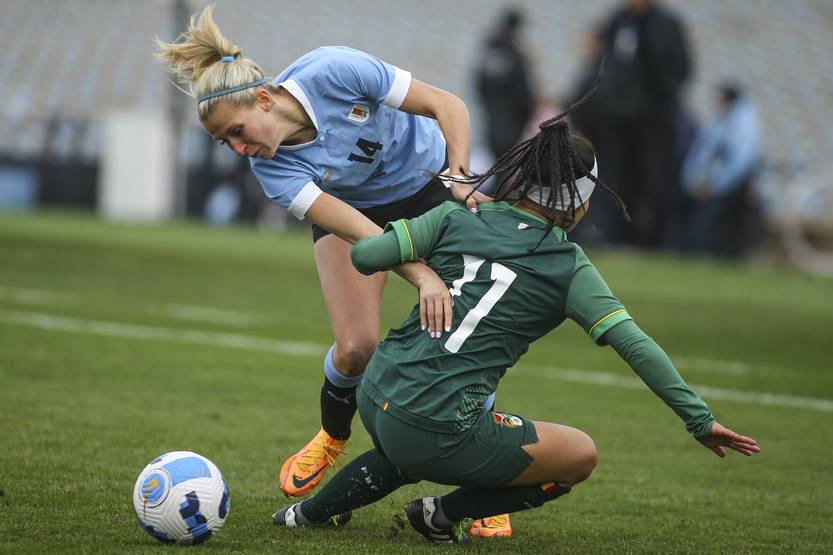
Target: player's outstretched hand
724, 437
435, 312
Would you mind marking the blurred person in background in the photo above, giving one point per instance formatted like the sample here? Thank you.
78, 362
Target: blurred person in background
503, 84
718, 176
349, 142
632, 119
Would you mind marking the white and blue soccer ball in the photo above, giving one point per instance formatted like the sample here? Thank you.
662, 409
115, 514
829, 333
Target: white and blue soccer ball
181, 497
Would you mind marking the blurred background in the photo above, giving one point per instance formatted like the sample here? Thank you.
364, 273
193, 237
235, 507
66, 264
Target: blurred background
711, 122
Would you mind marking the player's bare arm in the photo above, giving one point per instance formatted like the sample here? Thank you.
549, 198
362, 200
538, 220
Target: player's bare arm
453, 117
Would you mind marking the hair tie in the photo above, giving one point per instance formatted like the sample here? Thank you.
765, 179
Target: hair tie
227, 58
554, 123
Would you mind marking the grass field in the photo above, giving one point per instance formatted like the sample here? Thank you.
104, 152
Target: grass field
118, 343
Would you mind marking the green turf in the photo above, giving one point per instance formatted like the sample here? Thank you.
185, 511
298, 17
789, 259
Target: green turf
82, 413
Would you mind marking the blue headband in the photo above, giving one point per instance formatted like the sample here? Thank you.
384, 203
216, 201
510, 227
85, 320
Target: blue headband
227, 58
238, 88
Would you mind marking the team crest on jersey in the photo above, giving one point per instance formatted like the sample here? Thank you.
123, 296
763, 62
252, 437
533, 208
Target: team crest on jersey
507, 420
359, 113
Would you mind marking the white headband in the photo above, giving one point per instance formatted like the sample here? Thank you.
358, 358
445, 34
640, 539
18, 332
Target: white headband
584, 188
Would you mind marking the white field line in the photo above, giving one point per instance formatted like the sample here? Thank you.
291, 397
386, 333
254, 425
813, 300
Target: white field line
21, 295
193, 313
707, 391
133, 331
713, 366
211, 315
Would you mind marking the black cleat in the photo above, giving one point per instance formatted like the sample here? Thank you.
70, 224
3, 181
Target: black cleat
291, 517
421, 512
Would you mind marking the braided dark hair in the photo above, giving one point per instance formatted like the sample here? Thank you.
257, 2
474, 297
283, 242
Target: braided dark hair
553, 160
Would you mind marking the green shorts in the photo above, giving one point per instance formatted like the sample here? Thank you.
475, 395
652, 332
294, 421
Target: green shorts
488, 454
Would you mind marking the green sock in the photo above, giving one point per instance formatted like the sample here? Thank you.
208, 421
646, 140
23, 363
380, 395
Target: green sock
479, 503
366, 479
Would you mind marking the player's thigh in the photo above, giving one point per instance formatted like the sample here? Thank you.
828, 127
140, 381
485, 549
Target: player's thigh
562, 454
353, 300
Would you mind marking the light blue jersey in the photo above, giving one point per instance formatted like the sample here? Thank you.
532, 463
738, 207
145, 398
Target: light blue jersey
366, 152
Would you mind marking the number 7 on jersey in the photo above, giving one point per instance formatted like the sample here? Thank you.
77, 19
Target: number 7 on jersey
502, 277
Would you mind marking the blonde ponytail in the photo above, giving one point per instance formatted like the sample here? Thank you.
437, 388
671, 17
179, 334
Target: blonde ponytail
207, 62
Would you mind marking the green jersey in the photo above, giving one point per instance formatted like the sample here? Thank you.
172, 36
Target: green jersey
510, 284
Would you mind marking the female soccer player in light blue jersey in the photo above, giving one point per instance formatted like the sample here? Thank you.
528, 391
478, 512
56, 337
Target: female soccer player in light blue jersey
349, 142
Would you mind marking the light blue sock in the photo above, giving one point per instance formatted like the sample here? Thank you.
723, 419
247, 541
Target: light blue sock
335, 377
489, 403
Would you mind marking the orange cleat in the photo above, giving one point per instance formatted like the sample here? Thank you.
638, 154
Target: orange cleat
304, 470
490, 527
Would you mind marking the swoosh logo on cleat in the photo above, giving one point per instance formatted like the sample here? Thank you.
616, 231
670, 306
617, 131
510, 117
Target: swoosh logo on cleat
301, 483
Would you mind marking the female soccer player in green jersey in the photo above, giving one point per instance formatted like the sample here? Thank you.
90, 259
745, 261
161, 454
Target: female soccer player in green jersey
513, 276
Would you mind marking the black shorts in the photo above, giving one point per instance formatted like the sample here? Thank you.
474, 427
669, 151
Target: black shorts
433, 194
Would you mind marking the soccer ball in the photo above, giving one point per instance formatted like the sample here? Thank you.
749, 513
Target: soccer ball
181, 497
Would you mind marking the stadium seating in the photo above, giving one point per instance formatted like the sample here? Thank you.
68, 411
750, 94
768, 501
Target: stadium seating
74, 60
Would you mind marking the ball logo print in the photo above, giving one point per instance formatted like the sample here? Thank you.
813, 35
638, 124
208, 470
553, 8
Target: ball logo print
181, 497
155, 489
189, 510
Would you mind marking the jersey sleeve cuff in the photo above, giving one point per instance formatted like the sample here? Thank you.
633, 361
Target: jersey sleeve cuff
703, 430
601, 327
403, 235
304, 199
399, 88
